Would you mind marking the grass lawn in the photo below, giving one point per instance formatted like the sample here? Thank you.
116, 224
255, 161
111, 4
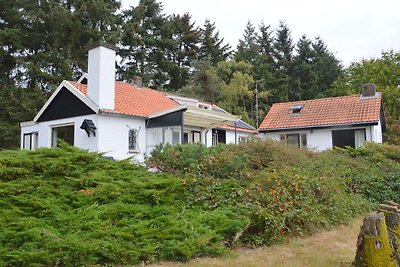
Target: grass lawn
336, 247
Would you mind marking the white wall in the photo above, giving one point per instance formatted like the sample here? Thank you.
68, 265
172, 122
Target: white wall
321, 139
377, 133
230, 136
81, 139
206, 137
113, 134
317, 140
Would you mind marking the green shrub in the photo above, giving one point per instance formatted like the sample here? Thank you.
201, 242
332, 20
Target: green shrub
70, 207
219, 162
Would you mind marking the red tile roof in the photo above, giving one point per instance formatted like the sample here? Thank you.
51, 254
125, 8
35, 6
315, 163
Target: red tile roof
323, 112
132, 100
136, 101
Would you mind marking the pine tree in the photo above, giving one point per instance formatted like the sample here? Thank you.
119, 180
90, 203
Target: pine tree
44, 41
143, 43
248, 49
326, 67
181, 50
304, 78
205, 83
211, 45
283, 54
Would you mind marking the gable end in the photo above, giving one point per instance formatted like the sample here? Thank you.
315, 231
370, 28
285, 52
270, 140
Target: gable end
64, 105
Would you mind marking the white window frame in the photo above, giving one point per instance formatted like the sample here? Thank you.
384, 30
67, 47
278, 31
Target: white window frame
53, 127
133, 146
33, 141
283, 137
243, 139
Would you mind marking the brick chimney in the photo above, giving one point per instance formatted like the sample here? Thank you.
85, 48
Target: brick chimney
138, 81
101, 74
368, 90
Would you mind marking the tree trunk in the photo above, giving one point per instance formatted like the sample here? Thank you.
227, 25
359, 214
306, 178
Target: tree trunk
378, 242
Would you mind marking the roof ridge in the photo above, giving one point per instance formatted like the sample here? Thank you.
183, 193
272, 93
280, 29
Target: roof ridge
319, 99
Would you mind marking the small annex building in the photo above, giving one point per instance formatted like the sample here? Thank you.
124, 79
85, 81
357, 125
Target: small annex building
321, 124
125, 120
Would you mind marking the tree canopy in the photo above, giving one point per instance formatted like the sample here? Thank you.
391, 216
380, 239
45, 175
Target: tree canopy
44, 42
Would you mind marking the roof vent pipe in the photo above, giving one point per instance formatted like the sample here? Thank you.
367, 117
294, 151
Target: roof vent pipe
138, 81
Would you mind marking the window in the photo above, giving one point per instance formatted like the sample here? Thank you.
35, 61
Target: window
30, 141
214, 139
176, 136
196, 136
295, 109
65, 133
243, 139
133, 140
186, 138
351, 138
299, 140
204, 106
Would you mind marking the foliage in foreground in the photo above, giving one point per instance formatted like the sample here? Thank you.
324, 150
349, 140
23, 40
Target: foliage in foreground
70, 207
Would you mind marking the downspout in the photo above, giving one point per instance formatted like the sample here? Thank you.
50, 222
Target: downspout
235, 135
182, 129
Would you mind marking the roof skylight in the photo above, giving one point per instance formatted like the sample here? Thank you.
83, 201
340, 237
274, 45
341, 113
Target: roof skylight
296, 108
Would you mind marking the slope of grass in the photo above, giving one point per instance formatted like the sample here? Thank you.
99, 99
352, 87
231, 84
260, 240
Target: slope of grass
334, 248
70, 207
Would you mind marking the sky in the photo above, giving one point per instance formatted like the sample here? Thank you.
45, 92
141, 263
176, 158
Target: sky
352, 29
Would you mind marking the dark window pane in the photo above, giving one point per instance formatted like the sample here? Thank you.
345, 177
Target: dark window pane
65, 133
132, 140
293, 139
342, 138
303, 140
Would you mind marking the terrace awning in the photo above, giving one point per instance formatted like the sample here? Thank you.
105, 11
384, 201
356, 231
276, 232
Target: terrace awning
208, 119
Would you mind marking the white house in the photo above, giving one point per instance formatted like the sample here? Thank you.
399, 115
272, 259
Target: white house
321, 124
125, 120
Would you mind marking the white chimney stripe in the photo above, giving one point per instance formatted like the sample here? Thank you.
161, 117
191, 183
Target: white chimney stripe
101, 76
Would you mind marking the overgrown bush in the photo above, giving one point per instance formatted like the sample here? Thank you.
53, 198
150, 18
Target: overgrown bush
219, 161
70, 207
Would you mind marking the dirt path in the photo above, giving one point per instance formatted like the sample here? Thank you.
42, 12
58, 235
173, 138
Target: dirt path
327, 248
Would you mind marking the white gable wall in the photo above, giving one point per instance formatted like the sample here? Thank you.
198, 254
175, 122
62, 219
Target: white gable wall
81, 139
113, 132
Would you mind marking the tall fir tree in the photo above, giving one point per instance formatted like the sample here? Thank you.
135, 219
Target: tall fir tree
304, 79
44, 41
205, 84
283, 54
212, 47
182, 49
327, 68
248, 49
143, 43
